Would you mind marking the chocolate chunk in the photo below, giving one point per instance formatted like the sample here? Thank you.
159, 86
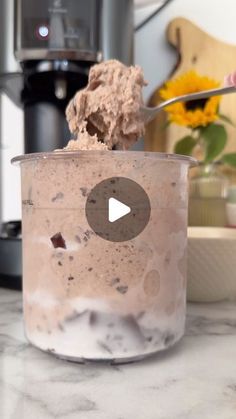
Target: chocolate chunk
58, 241
92, 318
169, 339
58, 196
78, 239
75, 315
59, 263
114, 281
104, 347
90, 269
70, 278
27, 202
122, 289
131, 322
84, 191
88, 234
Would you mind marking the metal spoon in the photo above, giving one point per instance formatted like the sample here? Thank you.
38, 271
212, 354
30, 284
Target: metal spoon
149, 113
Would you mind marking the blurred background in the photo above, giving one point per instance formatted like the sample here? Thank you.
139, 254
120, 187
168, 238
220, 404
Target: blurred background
151, 50
47, 48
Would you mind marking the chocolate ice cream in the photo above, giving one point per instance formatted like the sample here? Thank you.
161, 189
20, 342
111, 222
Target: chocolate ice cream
108, 109
92, 298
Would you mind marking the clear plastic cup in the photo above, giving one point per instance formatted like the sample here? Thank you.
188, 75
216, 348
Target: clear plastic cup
87, 298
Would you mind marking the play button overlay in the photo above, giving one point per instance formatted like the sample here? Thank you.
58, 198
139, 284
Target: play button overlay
117, 209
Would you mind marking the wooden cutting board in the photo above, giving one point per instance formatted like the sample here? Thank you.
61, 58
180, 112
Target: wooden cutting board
208, 56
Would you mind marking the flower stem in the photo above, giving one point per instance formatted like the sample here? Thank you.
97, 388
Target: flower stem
200, 141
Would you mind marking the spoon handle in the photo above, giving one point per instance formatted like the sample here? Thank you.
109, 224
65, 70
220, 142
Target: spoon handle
150, 113
200, 95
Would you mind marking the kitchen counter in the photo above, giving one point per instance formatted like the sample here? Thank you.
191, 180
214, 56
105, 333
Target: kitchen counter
195, 379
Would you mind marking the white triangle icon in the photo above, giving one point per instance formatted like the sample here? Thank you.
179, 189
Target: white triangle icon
116, 210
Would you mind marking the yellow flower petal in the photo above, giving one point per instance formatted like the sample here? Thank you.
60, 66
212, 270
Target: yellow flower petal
197, 113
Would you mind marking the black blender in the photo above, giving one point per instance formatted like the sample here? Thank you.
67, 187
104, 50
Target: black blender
46, 51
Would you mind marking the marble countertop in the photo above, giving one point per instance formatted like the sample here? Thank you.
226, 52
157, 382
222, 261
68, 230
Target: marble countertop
195, 379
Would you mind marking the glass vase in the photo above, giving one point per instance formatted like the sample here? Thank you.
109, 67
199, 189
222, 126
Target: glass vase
207, 196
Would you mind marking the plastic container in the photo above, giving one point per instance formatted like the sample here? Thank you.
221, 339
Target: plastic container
88, 298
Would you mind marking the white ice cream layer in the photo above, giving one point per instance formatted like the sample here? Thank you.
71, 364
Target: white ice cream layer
94, 332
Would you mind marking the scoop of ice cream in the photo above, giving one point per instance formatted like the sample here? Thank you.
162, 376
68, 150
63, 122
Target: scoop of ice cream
109, 106
85, 142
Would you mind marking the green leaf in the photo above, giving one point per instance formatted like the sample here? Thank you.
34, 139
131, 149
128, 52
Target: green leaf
229, 159
215, 138
185, 146
226, 119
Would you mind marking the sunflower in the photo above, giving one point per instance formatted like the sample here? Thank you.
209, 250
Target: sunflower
196, 113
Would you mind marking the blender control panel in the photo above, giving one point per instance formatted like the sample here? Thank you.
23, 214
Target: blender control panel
61, 25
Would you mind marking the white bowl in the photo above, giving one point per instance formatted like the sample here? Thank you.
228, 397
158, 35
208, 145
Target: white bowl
231, 213
211, 264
